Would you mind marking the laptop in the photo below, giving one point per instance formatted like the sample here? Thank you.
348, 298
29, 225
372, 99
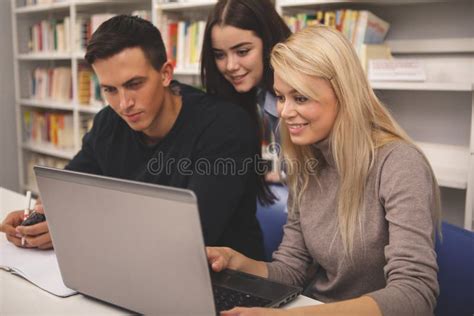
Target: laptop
140, 246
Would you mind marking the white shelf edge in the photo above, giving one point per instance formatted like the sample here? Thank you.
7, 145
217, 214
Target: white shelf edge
427, 46
79, 55
67, 4
47, 104
83, 3
92, 109
50, 150
422, 86
187, 71
284, 4
176, 6
41, 7
450, 163
44, 56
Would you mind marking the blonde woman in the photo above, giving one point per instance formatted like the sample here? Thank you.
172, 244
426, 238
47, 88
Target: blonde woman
365, 217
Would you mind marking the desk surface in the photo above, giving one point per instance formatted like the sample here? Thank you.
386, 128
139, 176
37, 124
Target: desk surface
18, 296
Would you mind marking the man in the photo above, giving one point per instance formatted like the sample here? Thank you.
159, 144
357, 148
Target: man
159, 131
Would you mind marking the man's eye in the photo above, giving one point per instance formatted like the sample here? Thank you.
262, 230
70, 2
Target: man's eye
134, 85
108, 89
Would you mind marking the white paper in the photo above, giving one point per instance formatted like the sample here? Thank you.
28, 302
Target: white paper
40, 267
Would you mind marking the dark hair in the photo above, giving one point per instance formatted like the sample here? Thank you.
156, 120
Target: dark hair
260, 17
125, 31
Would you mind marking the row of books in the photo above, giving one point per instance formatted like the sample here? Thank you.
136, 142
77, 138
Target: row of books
35, 2
50, 36
55, 84
53, 35
183, 40
89, 91
360, 27
48, 128
87, 25
51, 84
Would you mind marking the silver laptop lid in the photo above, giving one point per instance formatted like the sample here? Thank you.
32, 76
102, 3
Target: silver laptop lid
128, 243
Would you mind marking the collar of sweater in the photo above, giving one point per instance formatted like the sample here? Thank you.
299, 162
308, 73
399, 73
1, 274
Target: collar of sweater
323, 150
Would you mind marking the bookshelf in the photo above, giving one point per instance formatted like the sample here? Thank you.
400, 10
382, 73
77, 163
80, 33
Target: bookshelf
437, 113
27, 59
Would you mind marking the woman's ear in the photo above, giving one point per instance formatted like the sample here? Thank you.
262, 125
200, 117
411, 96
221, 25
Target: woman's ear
167, 73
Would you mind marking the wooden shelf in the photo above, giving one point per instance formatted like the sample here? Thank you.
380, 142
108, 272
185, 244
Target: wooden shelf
47, 104
450, 163
45, 56
422, 86
50, 150
179, 6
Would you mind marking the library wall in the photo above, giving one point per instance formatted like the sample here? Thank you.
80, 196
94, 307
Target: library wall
8, 145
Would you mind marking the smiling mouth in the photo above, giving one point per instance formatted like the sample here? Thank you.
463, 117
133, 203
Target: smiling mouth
237, 78
297, 125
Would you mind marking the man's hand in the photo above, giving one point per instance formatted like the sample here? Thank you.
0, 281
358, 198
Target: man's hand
36, 236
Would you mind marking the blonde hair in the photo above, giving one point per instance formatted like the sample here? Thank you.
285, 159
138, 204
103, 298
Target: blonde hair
362, 124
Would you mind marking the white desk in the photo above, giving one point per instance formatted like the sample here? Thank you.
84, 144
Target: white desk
20, 297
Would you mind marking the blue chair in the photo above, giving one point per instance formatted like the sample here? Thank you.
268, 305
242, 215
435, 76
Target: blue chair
456, 271
271, 219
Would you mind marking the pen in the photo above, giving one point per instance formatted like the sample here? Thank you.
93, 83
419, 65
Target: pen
26, 212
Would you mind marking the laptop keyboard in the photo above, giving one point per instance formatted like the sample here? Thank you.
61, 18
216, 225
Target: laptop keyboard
226, 299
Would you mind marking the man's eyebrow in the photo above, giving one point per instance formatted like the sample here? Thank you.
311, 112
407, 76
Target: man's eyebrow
106, 86
129, 81
234, 47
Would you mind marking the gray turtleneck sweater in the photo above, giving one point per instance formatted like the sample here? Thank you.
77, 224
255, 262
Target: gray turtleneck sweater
393, 262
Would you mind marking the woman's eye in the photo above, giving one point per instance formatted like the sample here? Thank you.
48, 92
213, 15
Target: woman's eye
280, 98
300, 99
218, 55
243, 52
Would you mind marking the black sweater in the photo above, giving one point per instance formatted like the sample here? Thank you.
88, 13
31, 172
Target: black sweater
210, 150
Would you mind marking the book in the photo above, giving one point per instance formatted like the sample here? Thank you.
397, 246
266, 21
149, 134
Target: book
49, 128
369, 29
396, 70
39, 267
373, 51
